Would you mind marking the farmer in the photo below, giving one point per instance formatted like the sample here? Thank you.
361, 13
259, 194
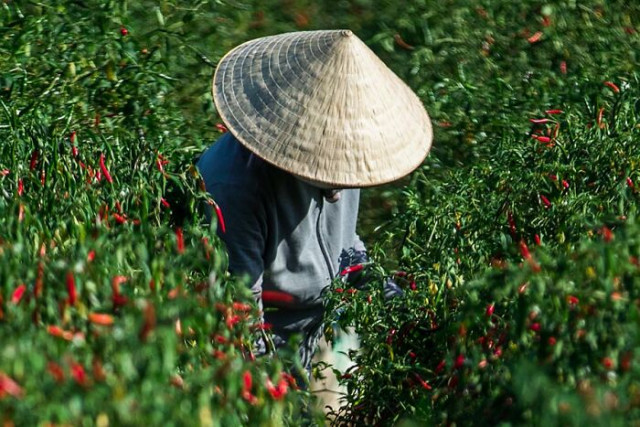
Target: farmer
312, 117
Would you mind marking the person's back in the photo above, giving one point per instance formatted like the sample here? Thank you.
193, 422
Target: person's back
281, 232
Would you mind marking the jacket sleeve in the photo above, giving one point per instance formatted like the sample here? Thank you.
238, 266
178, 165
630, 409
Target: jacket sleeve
245, 232
358, 255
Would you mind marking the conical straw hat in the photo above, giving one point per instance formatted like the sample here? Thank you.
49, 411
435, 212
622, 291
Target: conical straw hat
321, 105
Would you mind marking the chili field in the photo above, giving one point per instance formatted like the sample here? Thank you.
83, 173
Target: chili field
516, 242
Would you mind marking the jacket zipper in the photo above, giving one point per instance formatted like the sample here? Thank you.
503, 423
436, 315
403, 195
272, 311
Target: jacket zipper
323, 248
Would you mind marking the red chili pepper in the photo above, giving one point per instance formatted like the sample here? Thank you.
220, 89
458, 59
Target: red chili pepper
535, 38
9, 387
390, 336
17, 294
572, 300
124, 31
220, 217
552, 341
20, 187
43, 177
535, 327
545, 201
74, 151
599, 119
261, 326
164, 203
524, 250
290, 379
512, 224
413, 285
58, 332
339, 290
565, 184
279, 391
241, 306
71, 288
247, 380
563, 67
278, 297
607, 362
536, 238
79, 375
101, 319
425, 385
116, 282
56, 371
232, 320
34, 159
351, 269
543, 139
120, 219
246, 389
72, 137
630, 182
490, 308
159, 165
91, 256
221, 128
612, 86
106, 173
459, 362
180, 239
607, 234
440, 366
539, 121
554, 111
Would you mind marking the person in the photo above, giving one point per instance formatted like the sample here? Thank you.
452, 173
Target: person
312, 117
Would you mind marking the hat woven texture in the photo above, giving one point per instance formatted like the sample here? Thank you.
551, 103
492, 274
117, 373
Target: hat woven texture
321, 105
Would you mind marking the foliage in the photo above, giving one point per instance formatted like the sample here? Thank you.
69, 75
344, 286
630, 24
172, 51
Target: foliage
114, 301
535, 162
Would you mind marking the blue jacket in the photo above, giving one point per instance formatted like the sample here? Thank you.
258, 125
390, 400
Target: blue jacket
280, 232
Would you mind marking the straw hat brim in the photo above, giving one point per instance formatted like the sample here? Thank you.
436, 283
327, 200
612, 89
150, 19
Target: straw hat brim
321, 105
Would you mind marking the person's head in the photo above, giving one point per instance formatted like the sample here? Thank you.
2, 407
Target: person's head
322, 106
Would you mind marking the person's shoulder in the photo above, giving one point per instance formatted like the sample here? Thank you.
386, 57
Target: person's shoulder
227, 161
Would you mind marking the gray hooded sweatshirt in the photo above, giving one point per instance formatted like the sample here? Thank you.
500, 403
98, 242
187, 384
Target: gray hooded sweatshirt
281, 232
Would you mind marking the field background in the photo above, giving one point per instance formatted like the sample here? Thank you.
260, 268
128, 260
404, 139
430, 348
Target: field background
516, 241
